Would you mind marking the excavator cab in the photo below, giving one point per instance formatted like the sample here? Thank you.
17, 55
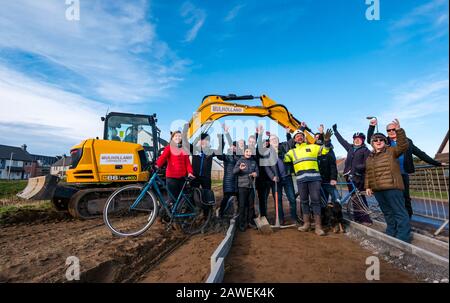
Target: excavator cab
134, 128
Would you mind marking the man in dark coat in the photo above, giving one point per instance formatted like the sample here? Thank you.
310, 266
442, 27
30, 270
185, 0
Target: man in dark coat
328, 170
406, 160
355, 165
202, 157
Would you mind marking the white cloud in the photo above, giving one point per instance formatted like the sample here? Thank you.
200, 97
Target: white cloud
114, 47
49, 120
418, 99
193, 16
234, 12
432, 17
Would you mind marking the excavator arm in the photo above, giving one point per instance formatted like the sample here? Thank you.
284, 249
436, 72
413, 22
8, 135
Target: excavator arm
214, 107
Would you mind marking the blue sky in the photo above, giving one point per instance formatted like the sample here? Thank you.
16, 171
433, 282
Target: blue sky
322, 59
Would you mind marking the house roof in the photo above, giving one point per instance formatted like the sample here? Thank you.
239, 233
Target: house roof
44, 160
444, 142
63, 161
18, 154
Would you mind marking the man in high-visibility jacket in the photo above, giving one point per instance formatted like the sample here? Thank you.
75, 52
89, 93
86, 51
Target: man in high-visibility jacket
304, 157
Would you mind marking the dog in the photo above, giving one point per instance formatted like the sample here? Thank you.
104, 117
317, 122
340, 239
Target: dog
333, 217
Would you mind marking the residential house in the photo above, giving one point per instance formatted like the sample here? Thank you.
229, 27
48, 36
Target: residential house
60, 167
15, 162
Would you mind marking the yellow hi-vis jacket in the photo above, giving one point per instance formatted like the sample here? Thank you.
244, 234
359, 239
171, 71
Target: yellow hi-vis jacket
304, 157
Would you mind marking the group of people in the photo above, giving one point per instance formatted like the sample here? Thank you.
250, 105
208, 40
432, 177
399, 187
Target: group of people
256, 167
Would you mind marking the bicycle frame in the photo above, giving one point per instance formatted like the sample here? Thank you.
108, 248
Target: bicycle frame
348, 195
153, 184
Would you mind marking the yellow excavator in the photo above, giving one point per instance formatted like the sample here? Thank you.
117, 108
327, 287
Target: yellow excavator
131, 144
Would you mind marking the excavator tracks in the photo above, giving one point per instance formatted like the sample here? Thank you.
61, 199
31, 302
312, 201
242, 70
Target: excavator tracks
88, 203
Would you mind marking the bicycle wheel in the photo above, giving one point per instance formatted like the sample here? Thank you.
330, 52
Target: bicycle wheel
125, 219
356, 207
193, 219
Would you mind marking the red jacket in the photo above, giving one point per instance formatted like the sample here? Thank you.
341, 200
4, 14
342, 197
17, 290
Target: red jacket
178, 163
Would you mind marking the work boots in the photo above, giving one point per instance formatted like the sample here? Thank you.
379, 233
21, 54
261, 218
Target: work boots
318, 225
306, 224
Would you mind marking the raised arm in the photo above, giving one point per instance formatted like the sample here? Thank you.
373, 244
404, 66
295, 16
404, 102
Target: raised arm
186, 145
371, 129
423, 156
402, 141
347, 146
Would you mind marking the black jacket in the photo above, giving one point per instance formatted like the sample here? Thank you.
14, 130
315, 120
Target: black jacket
229, 178
262, 179
202, 168
408, 163
356, 158
328, 167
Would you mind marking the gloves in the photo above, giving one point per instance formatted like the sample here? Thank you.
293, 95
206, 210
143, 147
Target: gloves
334, 127
328, 134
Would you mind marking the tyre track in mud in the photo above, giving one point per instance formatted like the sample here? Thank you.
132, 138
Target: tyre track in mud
38, 252
35, 249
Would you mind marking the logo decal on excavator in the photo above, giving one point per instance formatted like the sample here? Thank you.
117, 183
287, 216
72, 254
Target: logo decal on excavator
119, 178
114, 159
226, 109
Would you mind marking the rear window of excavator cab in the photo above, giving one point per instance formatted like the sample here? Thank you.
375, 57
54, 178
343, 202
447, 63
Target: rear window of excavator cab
130, 129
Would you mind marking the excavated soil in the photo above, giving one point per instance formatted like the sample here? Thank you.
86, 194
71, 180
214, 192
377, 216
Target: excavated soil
38, 252
34, 246
188, 264
291, 256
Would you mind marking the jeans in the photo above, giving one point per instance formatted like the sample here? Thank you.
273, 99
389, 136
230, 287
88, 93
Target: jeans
287, 184
246, 206
392, 204
406, 195
329, 190
310, 191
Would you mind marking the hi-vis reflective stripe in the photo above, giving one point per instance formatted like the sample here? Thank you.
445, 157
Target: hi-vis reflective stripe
308, 175
305, 159
295, 155
320, 149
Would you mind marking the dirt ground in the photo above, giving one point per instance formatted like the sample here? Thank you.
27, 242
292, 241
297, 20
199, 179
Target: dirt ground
35, 243
188, 264
38, 252
291, 256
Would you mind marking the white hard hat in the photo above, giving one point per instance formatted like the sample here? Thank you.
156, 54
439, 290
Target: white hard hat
298, 131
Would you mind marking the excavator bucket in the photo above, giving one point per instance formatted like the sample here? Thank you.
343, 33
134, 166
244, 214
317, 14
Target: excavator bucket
39, 188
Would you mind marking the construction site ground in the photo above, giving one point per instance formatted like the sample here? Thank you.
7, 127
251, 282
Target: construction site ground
35, 245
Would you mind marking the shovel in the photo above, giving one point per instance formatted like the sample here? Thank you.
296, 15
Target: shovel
277, 220
261, 222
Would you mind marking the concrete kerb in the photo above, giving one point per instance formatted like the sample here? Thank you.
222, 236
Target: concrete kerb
403, 246
419, 237
218, 257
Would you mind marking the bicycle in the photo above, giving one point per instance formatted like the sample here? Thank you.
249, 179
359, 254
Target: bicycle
353, 200
131, 210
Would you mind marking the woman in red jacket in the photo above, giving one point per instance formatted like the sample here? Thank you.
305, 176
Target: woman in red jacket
178, 164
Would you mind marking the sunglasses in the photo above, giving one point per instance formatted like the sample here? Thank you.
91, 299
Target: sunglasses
390, 130
378, 140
